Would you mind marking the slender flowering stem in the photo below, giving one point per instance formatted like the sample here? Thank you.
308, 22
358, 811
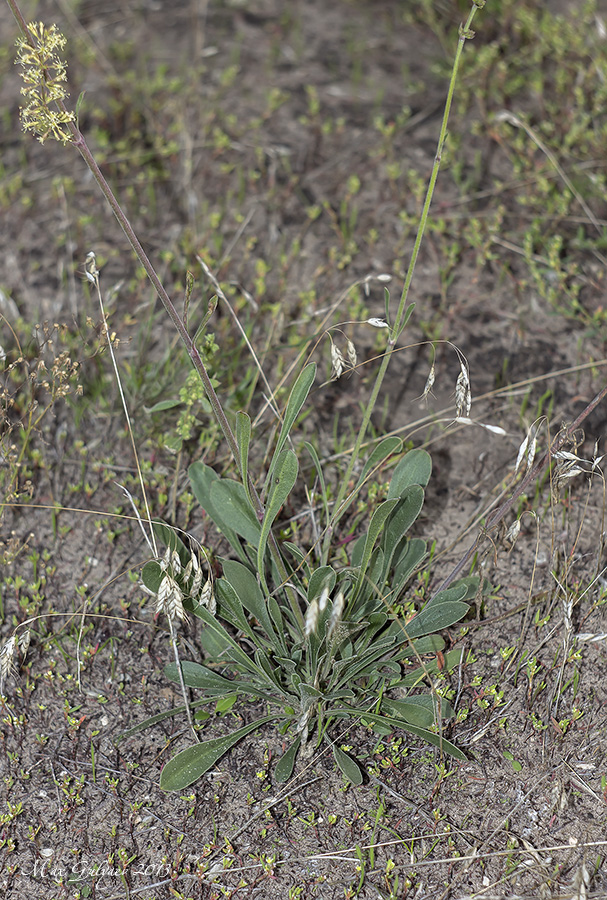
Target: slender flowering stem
341, 501
61, 125
78, 140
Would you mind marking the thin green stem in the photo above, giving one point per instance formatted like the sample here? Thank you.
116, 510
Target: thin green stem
80, 143
342, 501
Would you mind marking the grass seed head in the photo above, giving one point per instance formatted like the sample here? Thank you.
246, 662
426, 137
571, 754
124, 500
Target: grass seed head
337, 362
207, 597
169, 600
463, 394
351, 353
7, 656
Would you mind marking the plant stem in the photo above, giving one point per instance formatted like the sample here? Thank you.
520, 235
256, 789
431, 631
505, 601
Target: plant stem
342, 502
80, 143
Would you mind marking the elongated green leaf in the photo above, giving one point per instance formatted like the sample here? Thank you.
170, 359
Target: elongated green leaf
243, 439
321, 478
347, 765
234, 652
414, 468
162, 405
296, 400
388, 447
194, 678
271, 672
422, 710
236, 511
428, 644
249, 594
402, 518
393, 722
187, 767
277, 619
435, 618
406, 560
200, 677
284, 767
202, 477
324, 576
378, 520
231, 607
455, 592
283, 480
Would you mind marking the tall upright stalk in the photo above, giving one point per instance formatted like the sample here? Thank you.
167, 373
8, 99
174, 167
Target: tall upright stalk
342, 502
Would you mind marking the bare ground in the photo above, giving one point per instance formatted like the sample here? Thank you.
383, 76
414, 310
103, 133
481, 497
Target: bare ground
526, 816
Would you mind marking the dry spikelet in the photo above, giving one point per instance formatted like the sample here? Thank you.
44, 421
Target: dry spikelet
512, 534
494, 429
463, 395
337, 363
166, 560
528, 447
197, 579
7, 656
429, 382
175, 563
170, 599
24, 642
351, 353
207, 597
377, 323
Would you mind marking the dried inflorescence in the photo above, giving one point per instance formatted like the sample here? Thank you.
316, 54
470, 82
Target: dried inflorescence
179, 582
